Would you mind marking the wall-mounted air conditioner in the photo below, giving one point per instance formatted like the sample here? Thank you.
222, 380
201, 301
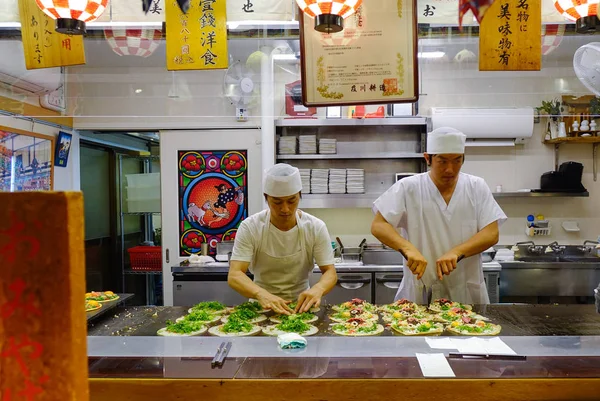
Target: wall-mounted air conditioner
487, 126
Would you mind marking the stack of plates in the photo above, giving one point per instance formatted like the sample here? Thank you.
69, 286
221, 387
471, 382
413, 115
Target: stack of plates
355, 181
288, 145
305, 177
327, 146
318, 181
308, 144
337, 181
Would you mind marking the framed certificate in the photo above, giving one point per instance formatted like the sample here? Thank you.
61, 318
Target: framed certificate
373, 60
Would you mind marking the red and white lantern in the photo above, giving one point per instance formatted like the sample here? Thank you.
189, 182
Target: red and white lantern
329, 15
133, 42
71, 15
552, 35
583, 12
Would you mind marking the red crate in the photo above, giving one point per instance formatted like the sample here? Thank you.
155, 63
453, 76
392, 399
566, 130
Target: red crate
146, 258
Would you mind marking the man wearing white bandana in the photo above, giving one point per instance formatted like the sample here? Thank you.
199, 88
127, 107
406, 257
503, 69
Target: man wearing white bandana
440, 221
280, 246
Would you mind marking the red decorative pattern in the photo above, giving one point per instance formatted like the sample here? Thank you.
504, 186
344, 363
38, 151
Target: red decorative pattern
552, 35
575, 9
81, 10
343, 8
133, 42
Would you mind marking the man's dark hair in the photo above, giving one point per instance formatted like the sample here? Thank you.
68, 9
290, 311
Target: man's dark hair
432, 156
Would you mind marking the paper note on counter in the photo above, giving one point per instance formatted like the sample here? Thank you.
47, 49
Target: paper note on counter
475, 345
435, 365
440, 343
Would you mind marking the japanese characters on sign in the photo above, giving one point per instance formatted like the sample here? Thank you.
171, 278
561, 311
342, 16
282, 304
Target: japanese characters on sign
350, 67
510, 36
199, 40
43, 46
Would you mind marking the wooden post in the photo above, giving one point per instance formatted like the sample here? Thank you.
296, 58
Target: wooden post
43, 354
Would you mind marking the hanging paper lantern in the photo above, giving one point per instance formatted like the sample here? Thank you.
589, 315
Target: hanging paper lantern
353, 27
133, 42
584, 12
329, 15
552, 35
71, 15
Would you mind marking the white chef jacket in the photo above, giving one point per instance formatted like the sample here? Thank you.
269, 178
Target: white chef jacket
281, 261
416, 207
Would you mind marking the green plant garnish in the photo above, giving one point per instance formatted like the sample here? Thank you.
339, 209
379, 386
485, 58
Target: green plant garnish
293, 325
184, 327
199, 316
212, 305
368, 329
236, 325
244, 314
255, 306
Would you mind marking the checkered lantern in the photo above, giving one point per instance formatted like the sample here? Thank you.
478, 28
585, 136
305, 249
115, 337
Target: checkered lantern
552, 35
133, 42
329, 14
577, 9
71, 15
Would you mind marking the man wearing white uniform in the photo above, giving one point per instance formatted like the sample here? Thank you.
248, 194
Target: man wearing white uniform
280, 246
444, 216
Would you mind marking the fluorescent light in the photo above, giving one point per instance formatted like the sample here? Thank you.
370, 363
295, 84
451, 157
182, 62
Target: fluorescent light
138, 91
431, 54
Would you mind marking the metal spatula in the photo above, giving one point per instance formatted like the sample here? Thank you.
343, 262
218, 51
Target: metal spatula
426, 294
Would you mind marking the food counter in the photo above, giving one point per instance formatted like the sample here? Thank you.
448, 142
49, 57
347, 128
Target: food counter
561, 344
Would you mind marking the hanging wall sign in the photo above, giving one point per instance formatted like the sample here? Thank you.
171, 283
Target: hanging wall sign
441, 12
260, 10
374, 62
131, 11
510, 36
197, 40
43, 46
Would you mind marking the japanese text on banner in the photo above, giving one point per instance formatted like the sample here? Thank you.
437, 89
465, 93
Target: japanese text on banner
198, 40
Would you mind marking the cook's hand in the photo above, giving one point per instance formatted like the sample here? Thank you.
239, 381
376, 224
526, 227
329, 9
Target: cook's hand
416, 262
308, 299
446, 264
273, 302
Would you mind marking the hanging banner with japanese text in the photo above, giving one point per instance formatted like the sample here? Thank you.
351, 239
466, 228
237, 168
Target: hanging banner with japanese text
510, 36
260, 10
197, 40
373, 60
43, 46
442, 12
131, 11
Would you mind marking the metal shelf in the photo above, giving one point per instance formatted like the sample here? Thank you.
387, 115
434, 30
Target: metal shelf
378, 155
594, 140
140, 213
129, 271
541, 195
352, 122
331, 201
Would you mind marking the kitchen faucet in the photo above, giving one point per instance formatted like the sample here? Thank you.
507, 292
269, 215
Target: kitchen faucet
532, 248
586, 248
555, 248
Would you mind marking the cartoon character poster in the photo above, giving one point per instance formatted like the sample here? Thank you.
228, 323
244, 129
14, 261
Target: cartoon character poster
213, 197
63, 146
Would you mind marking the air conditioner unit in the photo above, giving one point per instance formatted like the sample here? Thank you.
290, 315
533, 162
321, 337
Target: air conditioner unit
16, 78
487, 126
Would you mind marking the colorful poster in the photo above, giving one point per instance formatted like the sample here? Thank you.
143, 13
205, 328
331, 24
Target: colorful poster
213, 193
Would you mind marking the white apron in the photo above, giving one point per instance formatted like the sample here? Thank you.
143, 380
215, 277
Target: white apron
286, 273
435, 227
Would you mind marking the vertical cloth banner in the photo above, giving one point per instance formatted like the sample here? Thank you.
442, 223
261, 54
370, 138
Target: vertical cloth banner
43, 46
197, 40
510, 36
